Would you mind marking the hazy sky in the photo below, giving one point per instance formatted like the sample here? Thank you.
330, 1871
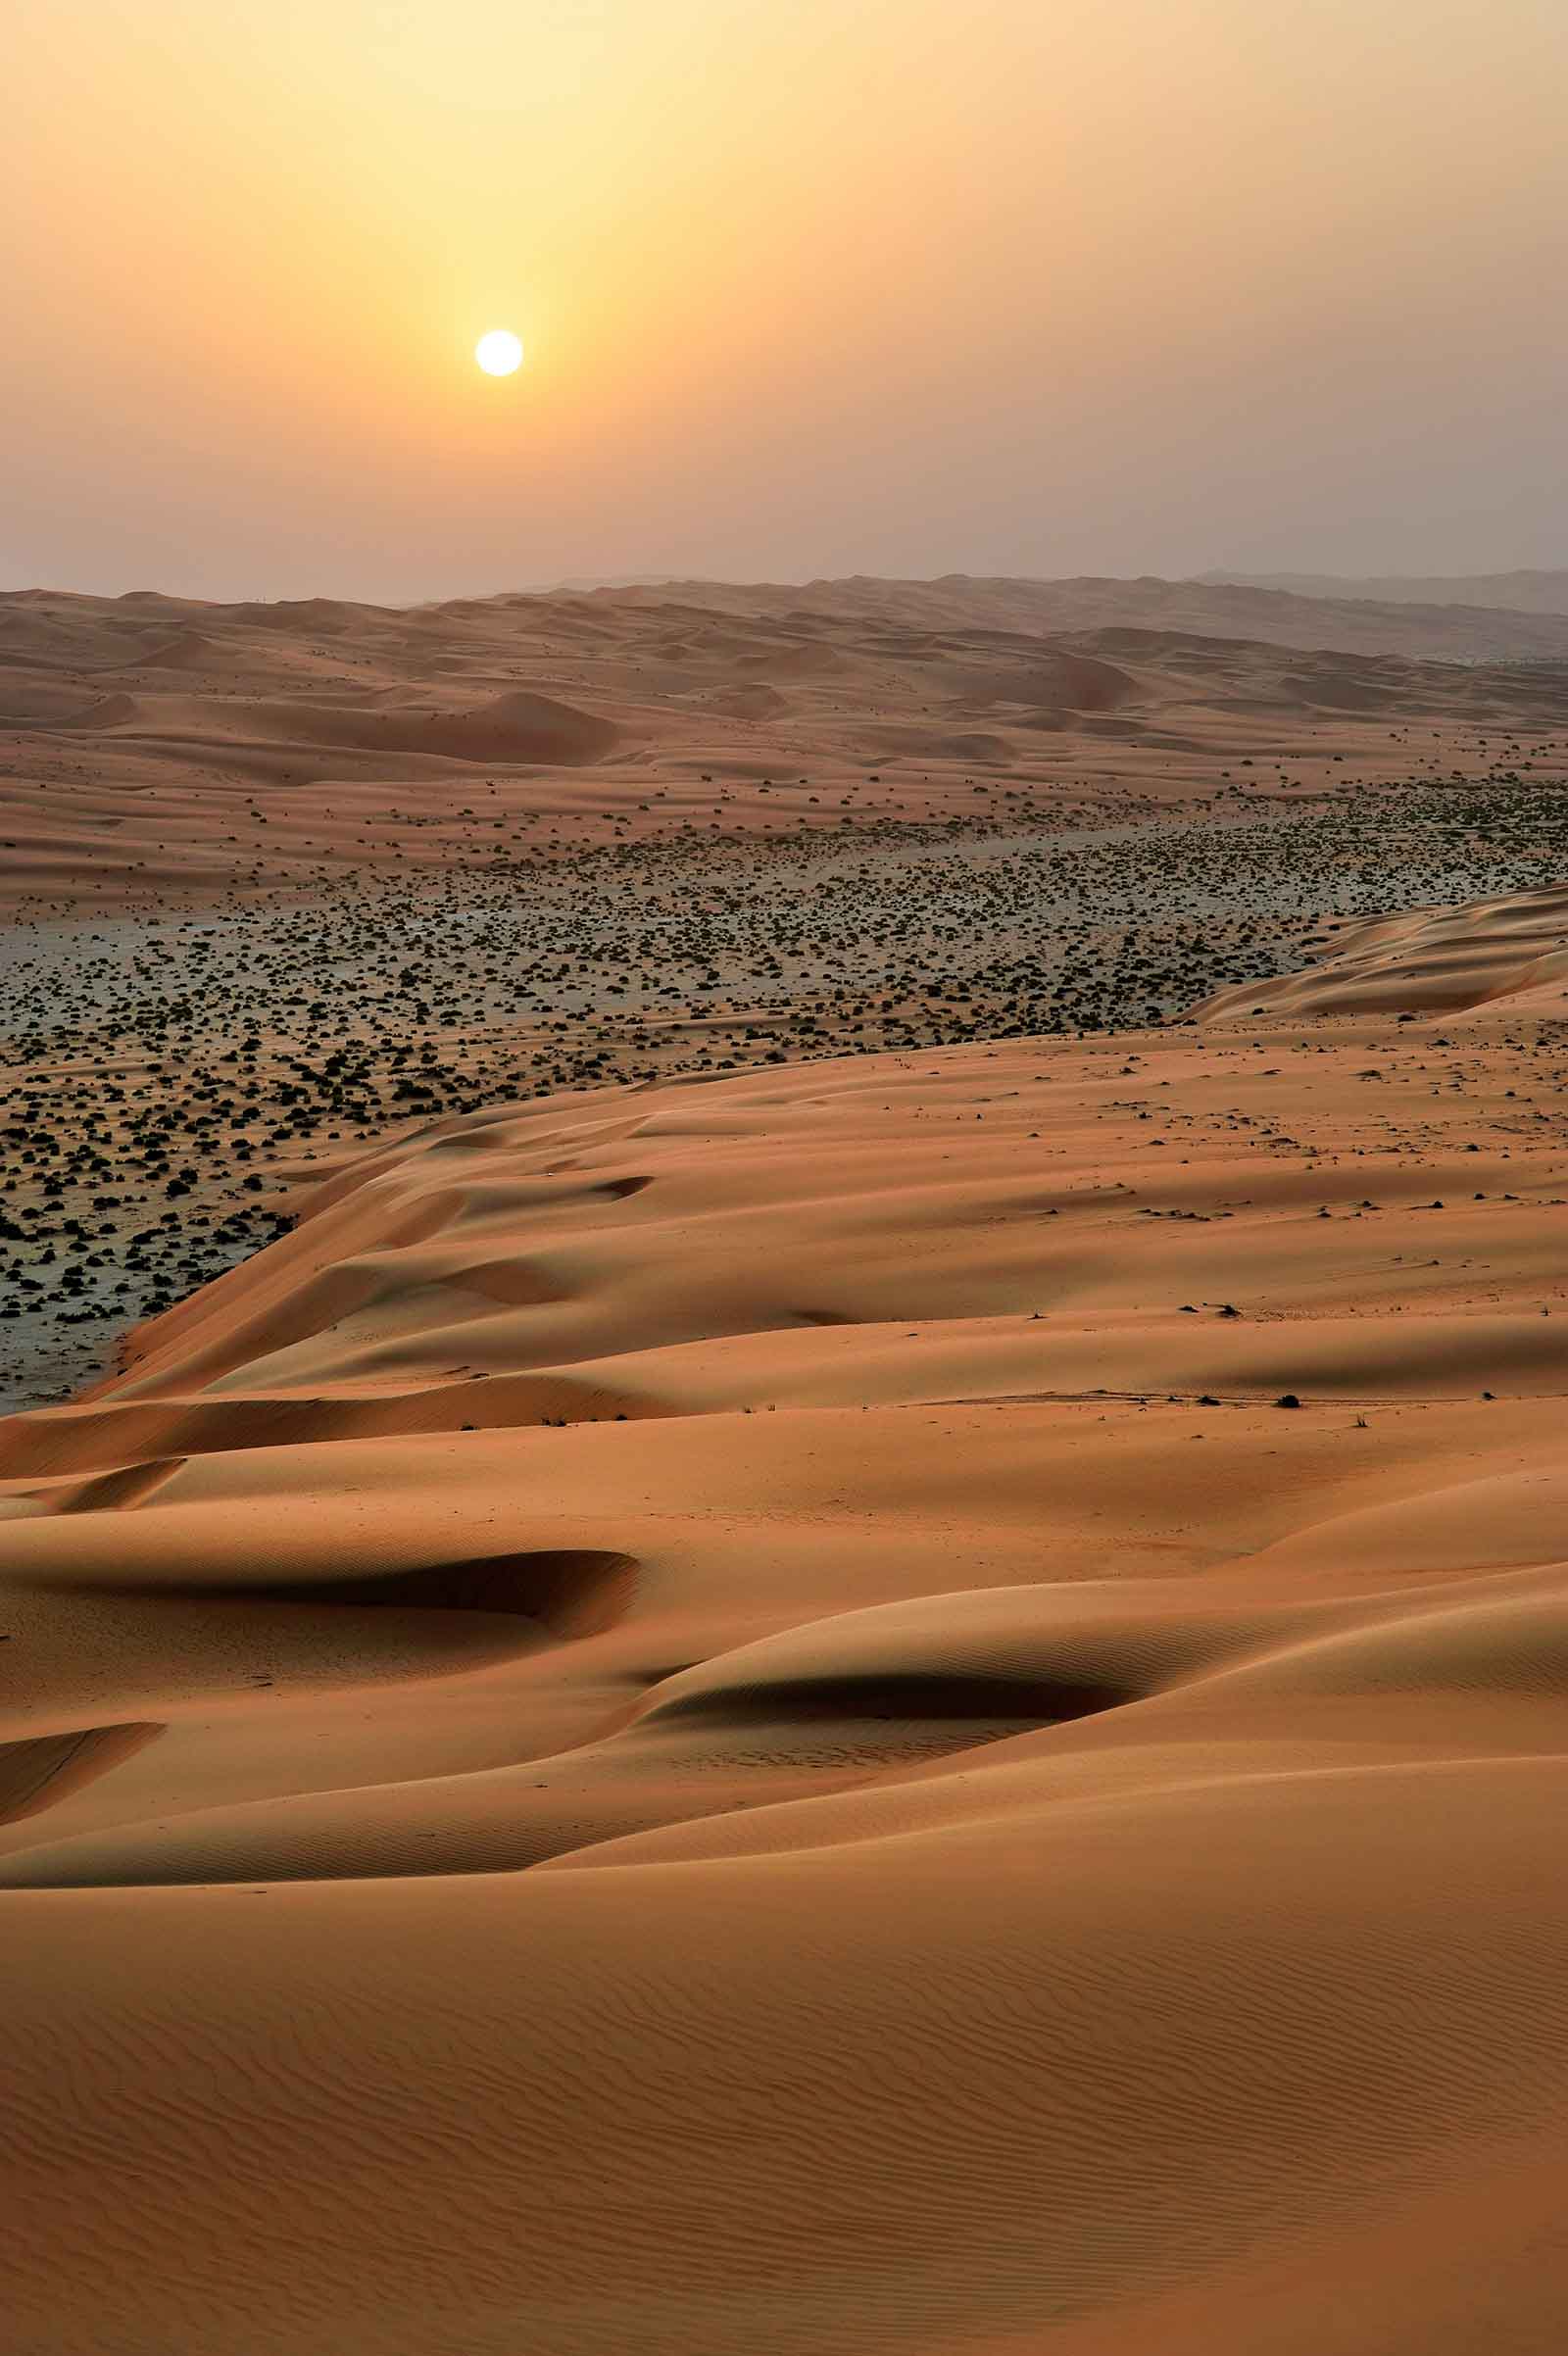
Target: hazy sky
808, 286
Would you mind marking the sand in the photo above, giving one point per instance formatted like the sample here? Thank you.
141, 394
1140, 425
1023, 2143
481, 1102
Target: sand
908, 1702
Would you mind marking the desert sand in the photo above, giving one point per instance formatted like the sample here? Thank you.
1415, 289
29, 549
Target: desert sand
743, 1714
750, 1641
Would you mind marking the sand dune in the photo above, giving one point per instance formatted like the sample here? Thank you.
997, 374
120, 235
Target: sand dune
519, 728
1445, 960
733, 1716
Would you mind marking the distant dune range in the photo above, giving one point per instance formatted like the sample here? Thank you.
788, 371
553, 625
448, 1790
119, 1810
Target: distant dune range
1519, 592
748, 1716
152, 746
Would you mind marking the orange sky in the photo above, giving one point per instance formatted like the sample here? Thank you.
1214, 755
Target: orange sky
808, 286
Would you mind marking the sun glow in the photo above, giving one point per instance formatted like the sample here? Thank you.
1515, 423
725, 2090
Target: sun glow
499, 352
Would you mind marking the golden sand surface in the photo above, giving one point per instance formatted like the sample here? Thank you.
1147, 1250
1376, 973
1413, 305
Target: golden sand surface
906, 1703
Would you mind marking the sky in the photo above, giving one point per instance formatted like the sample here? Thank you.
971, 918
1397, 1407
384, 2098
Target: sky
807, 288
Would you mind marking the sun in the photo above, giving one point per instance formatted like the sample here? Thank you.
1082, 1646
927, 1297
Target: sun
499, 352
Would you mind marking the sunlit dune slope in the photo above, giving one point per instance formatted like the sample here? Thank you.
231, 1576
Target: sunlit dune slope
1034, 1844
